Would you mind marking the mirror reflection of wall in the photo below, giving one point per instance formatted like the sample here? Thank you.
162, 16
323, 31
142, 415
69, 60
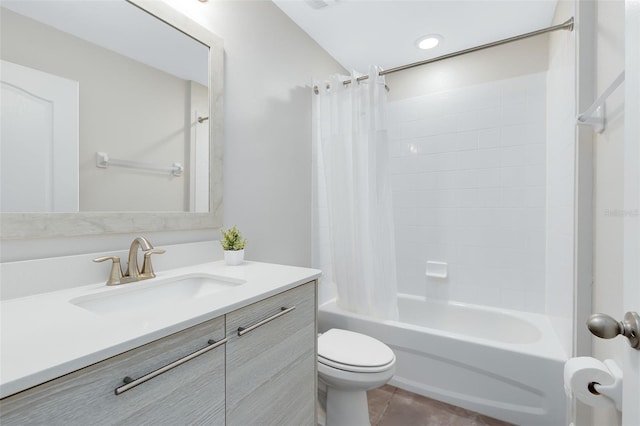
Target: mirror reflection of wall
133, 109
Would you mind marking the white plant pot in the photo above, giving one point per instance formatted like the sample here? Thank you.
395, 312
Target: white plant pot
233, 257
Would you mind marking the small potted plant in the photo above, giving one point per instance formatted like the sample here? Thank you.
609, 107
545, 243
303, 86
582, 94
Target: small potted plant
233, 245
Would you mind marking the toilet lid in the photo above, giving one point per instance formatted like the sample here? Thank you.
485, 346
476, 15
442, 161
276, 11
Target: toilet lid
353, 349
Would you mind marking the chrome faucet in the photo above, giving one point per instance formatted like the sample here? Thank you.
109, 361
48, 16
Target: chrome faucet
116, 277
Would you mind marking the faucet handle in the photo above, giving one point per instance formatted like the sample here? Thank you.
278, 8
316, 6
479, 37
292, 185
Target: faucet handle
147, 267
116, 270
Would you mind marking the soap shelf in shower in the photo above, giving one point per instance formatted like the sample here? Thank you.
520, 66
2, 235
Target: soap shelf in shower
103, 161
437, 269
595, 115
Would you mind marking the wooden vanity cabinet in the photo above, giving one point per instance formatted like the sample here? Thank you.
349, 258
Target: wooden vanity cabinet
190, 393
263, 375
271, 366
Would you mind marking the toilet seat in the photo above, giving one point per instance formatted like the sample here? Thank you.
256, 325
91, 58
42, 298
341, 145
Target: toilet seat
355, 352
354, 368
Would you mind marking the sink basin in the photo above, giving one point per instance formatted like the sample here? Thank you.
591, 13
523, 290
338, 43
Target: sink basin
154, 294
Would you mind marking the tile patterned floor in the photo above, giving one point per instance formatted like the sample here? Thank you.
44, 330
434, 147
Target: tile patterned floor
390, 406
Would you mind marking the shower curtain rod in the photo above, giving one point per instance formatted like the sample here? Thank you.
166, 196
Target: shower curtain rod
567, 25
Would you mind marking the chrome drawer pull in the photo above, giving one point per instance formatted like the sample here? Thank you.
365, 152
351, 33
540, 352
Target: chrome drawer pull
283, 311
132, 383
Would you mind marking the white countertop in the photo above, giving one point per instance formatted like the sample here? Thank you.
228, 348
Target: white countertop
44, 336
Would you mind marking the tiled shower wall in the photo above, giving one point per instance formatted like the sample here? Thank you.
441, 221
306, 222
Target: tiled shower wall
469, 180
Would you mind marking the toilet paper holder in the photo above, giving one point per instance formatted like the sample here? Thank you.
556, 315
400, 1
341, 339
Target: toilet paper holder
595, 383
612, 391
606, 327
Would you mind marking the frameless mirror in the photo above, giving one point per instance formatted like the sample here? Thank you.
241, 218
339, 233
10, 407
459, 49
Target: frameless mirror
111, 119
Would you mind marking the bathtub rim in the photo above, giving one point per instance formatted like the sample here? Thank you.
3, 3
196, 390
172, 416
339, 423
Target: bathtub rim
547, 347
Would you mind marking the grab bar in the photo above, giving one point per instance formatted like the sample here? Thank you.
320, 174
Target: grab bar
132, 383
244, 330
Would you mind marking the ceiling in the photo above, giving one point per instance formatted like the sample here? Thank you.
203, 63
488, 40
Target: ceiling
359, 33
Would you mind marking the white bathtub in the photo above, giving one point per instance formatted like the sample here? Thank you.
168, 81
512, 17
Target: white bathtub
504, 364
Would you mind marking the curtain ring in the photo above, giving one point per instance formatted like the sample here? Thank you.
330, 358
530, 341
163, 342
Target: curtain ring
316, 89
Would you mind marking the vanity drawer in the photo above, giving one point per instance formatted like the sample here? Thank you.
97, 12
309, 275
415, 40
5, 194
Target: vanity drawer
191, 390
271, 360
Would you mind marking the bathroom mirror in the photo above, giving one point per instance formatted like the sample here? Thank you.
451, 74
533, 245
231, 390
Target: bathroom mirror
161, 169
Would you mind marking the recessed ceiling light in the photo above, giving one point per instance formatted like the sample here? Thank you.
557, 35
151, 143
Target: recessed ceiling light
429, 41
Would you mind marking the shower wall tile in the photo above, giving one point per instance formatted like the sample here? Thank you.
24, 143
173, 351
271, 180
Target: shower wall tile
489, 138
469, 185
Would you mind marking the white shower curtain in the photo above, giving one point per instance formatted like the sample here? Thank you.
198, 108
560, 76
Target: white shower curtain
353, 194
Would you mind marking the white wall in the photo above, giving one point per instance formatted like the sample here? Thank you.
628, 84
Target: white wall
631, 301
465, 141
609, 187
469, 189
561, 177
269, 65
498, 63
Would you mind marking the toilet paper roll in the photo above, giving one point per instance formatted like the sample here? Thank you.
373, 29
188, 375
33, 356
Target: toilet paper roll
580, 373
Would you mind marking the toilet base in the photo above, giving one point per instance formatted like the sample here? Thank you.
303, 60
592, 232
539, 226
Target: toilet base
347, 408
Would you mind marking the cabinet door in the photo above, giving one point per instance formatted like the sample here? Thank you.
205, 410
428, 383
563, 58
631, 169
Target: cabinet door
271, 368
190, 393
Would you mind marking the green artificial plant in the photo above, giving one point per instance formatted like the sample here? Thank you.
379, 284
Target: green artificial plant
232, 239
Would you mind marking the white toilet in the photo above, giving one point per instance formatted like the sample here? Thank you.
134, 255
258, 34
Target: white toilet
350, 364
